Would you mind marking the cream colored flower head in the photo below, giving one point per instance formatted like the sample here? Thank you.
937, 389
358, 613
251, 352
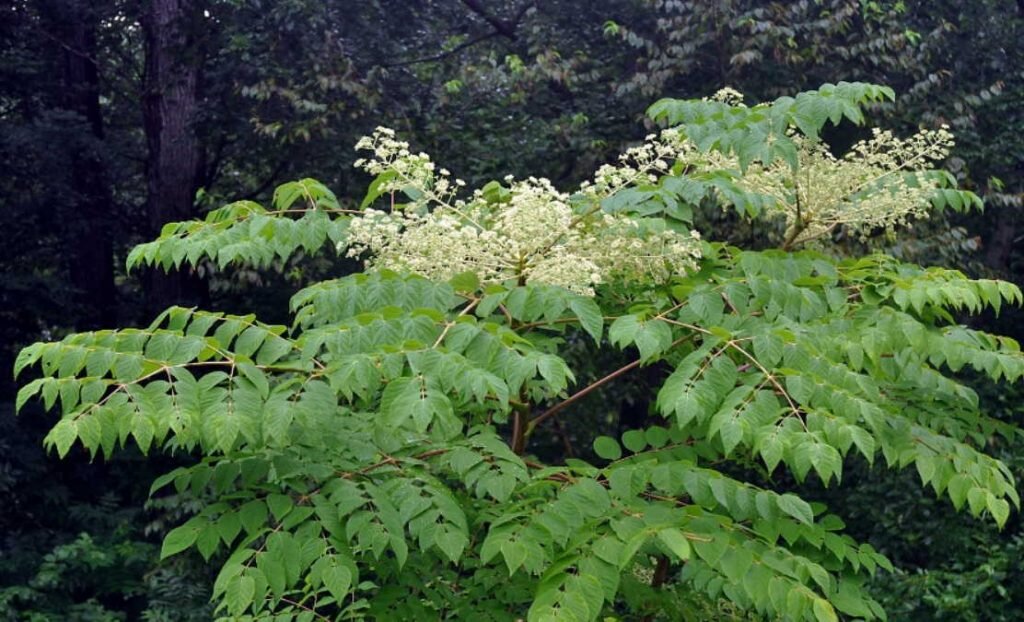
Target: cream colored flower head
530, 232
882, 183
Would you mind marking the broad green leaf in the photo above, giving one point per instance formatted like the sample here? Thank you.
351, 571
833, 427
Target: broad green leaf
676, 542
239, 594
63, 435
465, 282
338, 580
514, 552
179, 539
635, 440
607, 447
823, 611
796, 507
589, 315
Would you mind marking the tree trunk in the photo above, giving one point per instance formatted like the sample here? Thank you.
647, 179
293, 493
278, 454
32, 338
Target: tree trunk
89, 225
170, 106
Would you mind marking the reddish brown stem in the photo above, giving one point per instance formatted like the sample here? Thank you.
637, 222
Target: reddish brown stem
659, 578
660, 572
519, 426
554, 410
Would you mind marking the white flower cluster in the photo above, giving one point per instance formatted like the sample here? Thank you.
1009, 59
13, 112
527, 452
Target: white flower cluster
728, 95
644, 163
531, 234
409, 169
626, 248
885, 149
881, 183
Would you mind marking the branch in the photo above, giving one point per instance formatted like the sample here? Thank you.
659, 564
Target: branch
444, 55
563, 320
305, 608
554, 410
67, 47
269, 181
506, 28
796, 228
565, 478
448, 325
502, 28
769, 376
390, 460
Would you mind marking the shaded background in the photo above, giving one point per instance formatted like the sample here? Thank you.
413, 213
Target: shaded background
117, 116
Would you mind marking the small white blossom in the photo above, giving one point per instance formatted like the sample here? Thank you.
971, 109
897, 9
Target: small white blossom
728, 95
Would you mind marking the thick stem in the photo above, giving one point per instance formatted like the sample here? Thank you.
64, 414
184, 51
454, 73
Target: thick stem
659, 578
660, 572
799, 225
520, 416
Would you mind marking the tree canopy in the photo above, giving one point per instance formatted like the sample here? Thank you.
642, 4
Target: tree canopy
647, 351
374, 460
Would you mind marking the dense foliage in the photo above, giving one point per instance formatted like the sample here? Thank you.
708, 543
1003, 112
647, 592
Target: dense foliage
281, 90
374, 459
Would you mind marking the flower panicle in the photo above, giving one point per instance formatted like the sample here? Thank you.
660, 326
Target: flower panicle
533, 235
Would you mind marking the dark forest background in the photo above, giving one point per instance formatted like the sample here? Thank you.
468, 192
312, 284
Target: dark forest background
117, 116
